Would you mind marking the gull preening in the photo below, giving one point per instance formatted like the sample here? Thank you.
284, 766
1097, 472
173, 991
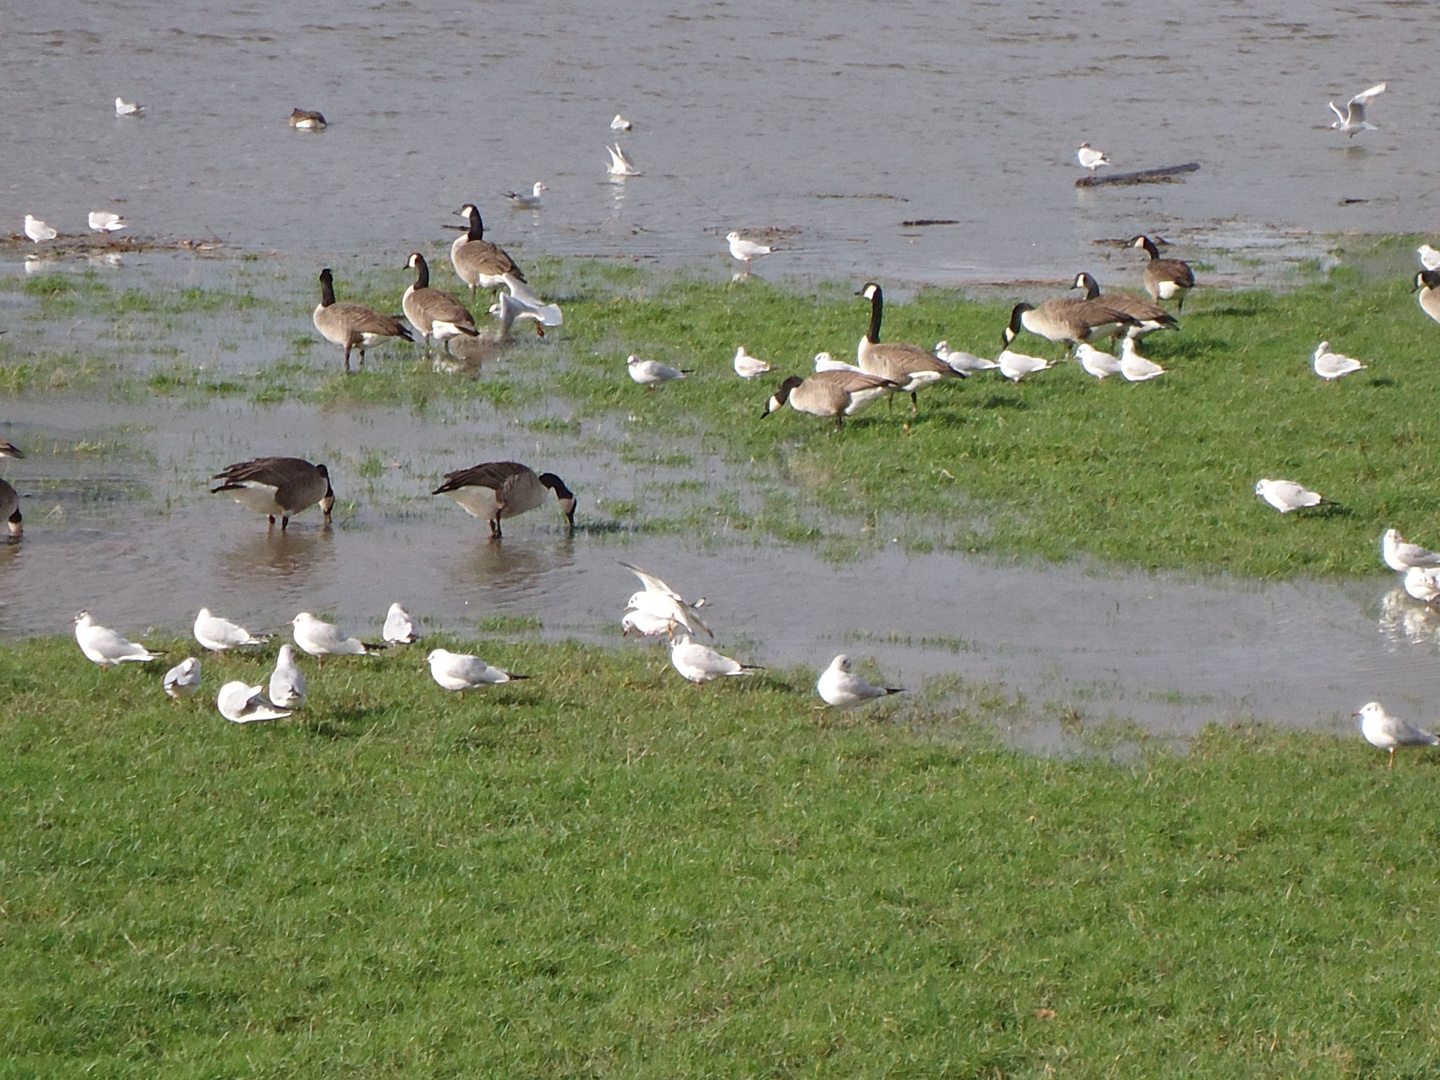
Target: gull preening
128, 108
1400, 555
1097, 363
103, 221
461, 671
1090, 158
38, 231
745, 250
399, 627
1015, 366
105, 647
1332, 365
659, 601
1390, 732
218, 635
747, 366
1423, 583
839, 686
1429, 257
1352, 120
620, 165
1135, 367
321, 639
652, 373
620, 123
963, 362
287, 681
521, 201
182, 680
701, 664
1286, 495
244, 704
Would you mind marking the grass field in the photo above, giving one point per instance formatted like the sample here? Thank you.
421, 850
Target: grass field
606, 872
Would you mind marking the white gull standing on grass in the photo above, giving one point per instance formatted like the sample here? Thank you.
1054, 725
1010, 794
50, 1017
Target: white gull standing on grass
1352, 120
244, 704
1135, 367
1015, 366
399, 627
287, 681
652, 373
322, 639
182, 680
1390, 732
461, 671
747, 366
218, 634
1400, 555
1332, 365
1286, 495
701, 664
963, 362
1097, 362
105, 647
839, 686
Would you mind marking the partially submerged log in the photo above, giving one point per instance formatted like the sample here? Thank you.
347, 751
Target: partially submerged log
1168, 175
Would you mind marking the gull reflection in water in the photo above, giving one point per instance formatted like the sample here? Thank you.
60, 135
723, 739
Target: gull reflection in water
1407, 620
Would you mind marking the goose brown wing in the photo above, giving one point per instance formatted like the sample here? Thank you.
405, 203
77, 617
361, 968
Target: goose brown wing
440, 306
365, 320
1138, 308
851, 382
490, 260
491, 474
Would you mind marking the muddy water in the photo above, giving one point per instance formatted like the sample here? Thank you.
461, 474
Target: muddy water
833, 122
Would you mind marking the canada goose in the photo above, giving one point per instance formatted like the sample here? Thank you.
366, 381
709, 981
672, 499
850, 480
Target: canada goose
497, 489
836, 393
244, 704
431, 311
620, 165
287, 681
307, 120
652, 373
352, 325
1286, 495
620, 123
1352, 120
1401, 555
1135, 367
1332, 365
128, 108
1068, 319
9, 500
839, 686
1150, 316
1097, 363
218, 635
38, 231
1427, 283
182, 680
322, 639
745, 250
399, 627
278, 486
1090, 158
102, 221
105, 647
532, 201
1390, 732
461, 671
1165, 278
747, 366
908, 366
701, 664
479, 262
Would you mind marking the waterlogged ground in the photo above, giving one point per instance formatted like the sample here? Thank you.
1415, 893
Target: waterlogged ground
129, 386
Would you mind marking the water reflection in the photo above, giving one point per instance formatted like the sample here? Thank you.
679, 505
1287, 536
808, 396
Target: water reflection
1405, 620
514, 567
290, 556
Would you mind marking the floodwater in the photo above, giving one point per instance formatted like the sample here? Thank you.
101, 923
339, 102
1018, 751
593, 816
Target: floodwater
831, 124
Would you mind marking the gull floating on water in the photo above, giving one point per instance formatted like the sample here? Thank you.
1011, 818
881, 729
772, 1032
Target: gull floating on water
182, 680
747, 366
1353, 120
307, 120
659, 600
460, 671
620, 165
1015, 366
963, 362
287, 681
37, 230
620, 123
745, 250
322, 639
399, 627
128, 108
105, 647
652, 373
1135, 367
839, 686
532, 201
1423, 583
1090, 158
701, 664
1097, 362
105, 221
244, 704
1400, 555
217, 634
1332, 365
1286, 495
1390, 732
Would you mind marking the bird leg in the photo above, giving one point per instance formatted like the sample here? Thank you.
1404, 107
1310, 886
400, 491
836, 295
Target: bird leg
347, 359
914, 404
1392, 757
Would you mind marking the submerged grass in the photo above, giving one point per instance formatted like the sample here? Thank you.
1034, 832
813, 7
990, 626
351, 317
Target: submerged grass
603, 871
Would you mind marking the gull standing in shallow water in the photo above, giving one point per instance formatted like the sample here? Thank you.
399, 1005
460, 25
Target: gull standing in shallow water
745, 250
244, 704
1400, 555
839, 686
102, 221
105, 647
1090, 158
1286, 495
182, 680
460, 671
701, 664
1390, 732
1423, 583
38, 231
1331, 365
1352, 120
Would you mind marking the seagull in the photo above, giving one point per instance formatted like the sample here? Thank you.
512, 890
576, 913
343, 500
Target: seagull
307, 120
521, 201
839, 687
1353, 119
620, 165
104, 221
460, 671
128, 108
245, 704
1331, 365
825, 362
661, 601
1135, 367
37, 230
182, 680
1096, 362
643, 623
1400, 555
745, 250
1286, 495
399, 627
287, 681
1429, 257
652, 373
1015, 366
747, 366
218, 634
323, 639
963, 362
1390, 732
1423, 583
620, 123
701, 664
105, 647
1090, 158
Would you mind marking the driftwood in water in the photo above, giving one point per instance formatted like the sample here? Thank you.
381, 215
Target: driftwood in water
1167, 175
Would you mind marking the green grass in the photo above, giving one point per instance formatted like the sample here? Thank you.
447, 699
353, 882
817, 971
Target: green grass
603, 871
